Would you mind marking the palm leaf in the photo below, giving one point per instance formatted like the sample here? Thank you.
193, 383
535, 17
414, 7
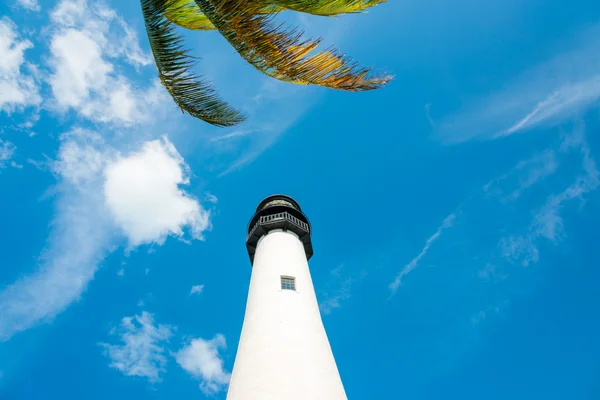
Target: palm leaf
326, 7
281, 53
192, 94
187, 14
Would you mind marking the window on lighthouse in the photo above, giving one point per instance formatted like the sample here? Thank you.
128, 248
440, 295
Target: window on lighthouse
288, 283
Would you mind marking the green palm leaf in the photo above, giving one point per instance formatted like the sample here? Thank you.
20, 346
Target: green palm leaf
192, 94
187, 14
326, 7
281, 53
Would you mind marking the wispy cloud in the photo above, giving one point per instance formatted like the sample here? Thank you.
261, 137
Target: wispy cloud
428, 115
197, 289
142, 349
538, 168
546, 94
335, 298
501, 233
511, 185
18, 88
485, 261
408, 268
211, 198
201, 358
232, 135
521, 246
481, 315
31, 5
491, 272
547, 222
7, 149
78, 242
278, 107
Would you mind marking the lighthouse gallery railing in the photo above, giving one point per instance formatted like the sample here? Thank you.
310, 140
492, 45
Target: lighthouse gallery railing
278, 217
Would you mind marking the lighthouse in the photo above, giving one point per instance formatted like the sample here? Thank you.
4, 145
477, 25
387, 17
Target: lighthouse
283, 353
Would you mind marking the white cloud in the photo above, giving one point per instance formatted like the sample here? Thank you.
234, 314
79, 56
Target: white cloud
111, 32
79, 67
31, 5
447, 223
17, 89
546, 94
84, 231
7, 149
143, 194
201, 359
69, 12
197, 289
142, 352
85, 73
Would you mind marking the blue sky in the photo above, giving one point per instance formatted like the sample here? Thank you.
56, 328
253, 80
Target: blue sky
455, 211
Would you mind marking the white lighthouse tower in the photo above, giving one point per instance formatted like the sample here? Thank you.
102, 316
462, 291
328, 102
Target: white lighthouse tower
284, 353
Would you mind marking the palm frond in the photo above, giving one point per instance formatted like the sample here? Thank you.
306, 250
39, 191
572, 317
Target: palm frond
281, 53
187, 14
192, 94
326, 7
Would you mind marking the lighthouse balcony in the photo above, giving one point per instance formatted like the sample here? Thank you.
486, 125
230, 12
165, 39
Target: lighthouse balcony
284, 221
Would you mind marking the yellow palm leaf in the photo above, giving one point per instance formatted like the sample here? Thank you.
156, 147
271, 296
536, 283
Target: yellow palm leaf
281, 53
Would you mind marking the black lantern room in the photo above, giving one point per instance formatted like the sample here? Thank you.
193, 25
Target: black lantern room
278, 212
